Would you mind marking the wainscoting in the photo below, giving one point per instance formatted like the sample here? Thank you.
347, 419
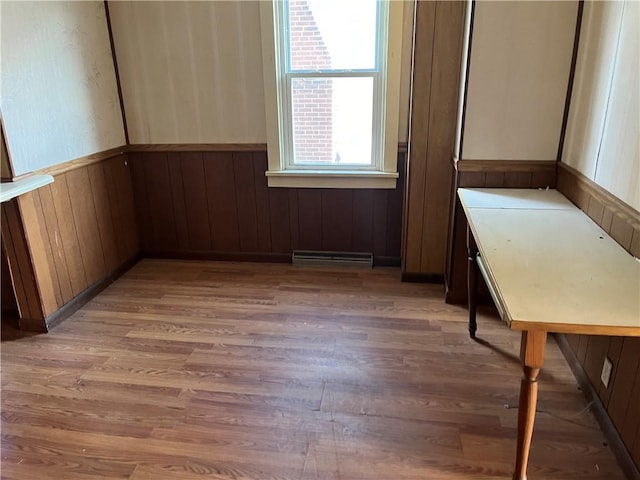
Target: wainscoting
71, 236
216, 205
621, 400
437, 55
485, 174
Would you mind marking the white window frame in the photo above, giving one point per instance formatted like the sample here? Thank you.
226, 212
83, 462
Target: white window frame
382, 173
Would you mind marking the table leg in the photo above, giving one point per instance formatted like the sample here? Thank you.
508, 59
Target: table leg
532, 354
472, 282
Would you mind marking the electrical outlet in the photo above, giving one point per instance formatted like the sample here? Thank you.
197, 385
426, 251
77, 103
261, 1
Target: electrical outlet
605, 376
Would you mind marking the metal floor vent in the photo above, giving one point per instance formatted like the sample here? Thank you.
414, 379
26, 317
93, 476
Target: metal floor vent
312, 257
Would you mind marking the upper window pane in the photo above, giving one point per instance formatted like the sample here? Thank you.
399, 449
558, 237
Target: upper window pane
332, 34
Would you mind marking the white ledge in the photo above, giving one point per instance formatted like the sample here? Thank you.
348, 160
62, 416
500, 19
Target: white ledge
9, 190
331, 179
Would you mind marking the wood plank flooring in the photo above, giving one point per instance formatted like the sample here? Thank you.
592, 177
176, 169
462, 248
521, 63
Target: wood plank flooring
193, 370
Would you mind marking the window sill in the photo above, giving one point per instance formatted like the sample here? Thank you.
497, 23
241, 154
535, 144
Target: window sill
331, 179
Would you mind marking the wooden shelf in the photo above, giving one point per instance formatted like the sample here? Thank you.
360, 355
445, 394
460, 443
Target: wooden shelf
9, 190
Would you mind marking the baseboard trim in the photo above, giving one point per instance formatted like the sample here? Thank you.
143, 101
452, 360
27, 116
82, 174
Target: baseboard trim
410, 277
599, 411
68, 309
220, 256
382, 261
257, 257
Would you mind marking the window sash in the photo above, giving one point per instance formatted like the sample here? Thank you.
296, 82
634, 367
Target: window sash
381, 41
376, 127
286, 74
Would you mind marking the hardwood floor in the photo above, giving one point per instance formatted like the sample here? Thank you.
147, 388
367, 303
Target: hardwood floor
192, 370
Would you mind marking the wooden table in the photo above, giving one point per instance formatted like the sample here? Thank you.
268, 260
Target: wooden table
549, 268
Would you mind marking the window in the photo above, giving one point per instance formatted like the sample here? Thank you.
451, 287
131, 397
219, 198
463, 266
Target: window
332, 75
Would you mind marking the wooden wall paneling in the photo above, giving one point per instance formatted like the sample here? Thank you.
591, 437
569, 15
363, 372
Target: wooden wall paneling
447, 57
635, 451
619, 402
141, 199
160, 198
583, 345
420, 117
595, 210
246, 197
74, 236
635, 242
456, 281
544, 179
362, 220
19, 264
495, 179
310, 219
517, 179
84, 216
473, 179
7, 295
294, 218
47, 244
280, 220
104, 215
68, 234
222, 204
262, 201
56, 243
178, 197
395, 200
607, 220
120, 191
195, 195
621, 231
380, 220
37, 241
632, 418
337, 215
573, 341
617, 218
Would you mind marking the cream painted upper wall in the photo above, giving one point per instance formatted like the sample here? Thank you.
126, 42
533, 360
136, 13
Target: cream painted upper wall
594, 67
191, 72
59, 98
517, 82
618, 167
603, 130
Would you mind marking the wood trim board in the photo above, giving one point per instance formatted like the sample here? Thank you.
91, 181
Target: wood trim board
81, 162
438, 44
488, 166
75, 233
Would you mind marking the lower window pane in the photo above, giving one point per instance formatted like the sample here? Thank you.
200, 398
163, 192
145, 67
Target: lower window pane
332, 120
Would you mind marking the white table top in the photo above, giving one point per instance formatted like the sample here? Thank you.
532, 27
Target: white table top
551, 267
